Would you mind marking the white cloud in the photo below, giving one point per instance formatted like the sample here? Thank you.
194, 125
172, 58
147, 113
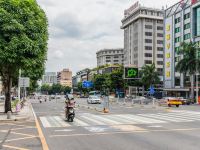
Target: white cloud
79, 28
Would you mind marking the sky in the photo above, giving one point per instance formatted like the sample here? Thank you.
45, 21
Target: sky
79, 28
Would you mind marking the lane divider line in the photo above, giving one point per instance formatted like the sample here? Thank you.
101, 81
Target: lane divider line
41, 135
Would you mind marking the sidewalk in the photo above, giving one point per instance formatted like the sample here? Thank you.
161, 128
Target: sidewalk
24, 113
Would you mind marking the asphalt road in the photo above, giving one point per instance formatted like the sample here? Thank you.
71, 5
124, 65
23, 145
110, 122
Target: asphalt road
127, 128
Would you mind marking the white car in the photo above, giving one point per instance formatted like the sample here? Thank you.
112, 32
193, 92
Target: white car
2, 97
92, 99
58, 97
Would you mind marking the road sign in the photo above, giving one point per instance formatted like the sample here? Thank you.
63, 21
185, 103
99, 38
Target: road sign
87, 84
151, 90
130, 73
24, 82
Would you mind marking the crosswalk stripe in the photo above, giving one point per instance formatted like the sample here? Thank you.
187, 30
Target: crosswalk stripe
53, 122
44, 121
104, 119
147, 119
165, 117
190, 116
61, 121
94, 122
120, 119
78, 122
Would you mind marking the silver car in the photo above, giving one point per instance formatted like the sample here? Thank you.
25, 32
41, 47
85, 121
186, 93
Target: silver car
94, 99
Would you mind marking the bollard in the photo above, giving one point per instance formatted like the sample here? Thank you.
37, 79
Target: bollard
9, 115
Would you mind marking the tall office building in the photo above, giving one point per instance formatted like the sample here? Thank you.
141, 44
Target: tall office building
49, 78
110, 56
65, 77
182, 24
143, 37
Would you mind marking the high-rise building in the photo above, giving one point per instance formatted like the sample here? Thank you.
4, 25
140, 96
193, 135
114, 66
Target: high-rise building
182, 24
110, 56
65, 77
49, 78
143, 37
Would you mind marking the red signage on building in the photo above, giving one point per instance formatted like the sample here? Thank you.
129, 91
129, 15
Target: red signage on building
193, 1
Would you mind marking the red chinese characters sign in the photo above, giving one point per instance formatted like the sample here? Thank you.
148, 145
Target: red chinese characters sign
193, 1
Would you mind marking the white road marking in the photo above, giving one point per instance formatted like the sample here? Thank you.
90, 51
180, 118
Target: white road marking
45, 123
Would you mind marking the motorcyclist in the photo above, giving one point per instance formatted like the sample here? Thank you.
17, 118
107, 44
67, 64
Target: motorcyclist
69, 103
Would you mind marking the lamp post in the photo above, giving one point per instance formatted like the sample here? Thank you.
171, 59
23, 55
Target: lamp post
197, 73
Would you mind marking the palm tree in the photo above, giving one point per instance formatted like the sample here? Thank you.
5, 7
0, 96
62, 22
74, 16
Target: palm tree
187, 65
149, 75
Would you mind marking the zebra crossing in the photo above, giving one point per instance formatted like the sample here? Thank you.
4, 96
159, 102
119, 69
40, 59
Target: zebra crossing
121, 119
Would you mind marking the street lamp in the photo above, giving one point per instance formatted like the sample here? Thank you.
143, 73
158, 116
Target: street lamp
197, 73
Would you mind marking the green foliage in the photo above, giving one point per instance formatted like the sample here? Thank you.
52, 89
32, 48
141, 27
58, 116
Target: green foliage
55, 89
189, 61
149, 76
23, 41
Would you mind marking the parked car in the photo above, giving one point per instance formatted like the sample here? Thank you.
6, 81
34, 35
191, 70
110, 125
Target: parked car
52, 96
92, 99
57, 97
170, 101
186, 101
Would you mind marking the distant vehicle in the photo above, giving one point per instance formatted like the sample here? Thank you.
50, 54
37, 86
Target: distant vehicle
57, 97
170, 101
52, 96
186, 101
92, 99
96, 93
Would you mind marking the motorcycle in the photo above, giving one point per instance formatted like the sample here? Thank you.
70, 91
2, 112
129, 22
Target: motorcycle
71, 114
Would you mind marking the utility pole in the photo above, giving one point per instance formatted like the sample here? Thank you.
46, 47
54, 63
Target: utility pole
19, 84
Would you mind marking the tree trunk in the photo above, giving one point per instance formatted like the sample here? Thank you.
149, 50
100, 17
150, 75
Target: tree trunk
8, 85
192, 87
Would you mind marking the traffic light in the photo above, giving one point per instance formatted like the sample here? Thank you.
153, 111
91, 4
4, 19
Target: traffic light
130, 73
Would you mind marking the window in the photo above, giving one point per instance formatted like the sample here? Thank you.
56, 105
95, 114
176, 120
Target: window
116, 56
177, 81
160, 69
159, 42
148, 47
187, 26
160, 62
116, 60
135, 55
160, 55
107, 57
148, 26
148, 55
159, 28
177, 49
186, 16
148, 62
160, 48
177, 20
178, 39
148, 41
148, 33
148, 20
159, 21
159, 35
107, 60
197, 25
177, 29
187, 36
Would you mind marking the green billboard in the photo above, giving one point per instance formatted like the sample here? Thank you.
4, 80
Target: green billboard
130, 73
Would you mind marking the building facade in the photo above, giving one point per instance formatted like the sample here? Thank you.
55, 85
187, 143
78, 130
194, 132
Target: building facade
143, 37
110, 56
182, 24
65, 77
49, 78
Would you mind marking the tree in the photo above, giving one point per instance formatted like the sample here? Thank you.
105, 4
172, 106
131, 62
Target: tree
101, 82
56, 88
187, 65
116, 79
66, 89
149, 76
23, 41
45, 88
